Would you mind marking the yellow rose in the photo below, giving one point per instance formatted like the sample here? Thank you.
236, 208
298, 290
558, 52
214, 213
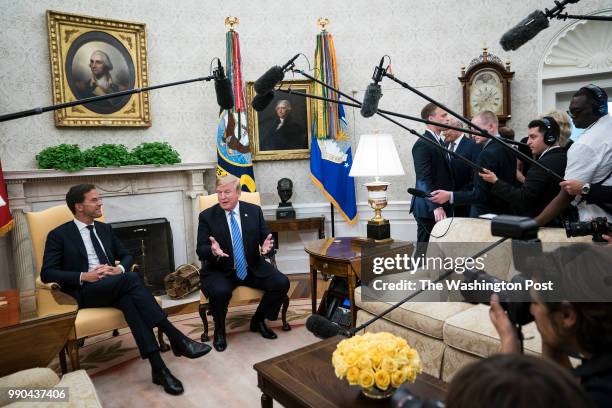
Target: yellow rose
388, 347
340, 370
352, 375
366, 379
364, 362
382, 379
376, 358
397, 378
388, 364
350, 358
401, 343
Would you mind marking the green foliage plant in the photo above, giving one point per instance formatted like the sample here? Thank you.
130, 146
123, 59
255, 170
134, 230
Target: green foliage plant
61, 157
157, 153
109, 155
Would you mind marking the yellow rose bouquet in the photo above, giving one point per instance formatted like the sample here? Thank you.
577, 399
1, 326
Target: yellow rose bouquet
377, 362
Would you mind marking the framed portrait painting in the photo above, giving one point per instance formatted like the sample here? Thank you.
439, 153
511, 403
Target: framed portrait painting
92, 56
282, 130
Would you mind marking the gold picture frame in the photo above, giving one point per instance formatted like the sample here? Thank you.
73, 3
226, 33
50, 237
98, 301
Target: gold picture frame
268, 138
93, 56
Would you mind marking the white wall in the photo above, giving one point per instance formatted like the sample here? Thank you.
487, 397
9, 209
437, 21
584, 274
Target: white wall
428, 41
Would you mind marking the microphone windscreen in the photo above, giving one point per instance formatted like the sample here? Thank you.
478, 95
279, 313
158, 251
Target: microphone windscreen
268, 81
524, 31
321, 327
418, 193
261, 102
225, 97
370, 100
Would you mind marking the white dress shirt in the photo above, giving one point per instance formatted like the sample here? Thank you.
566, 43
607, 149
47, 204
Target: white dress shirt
236, 211
92, 257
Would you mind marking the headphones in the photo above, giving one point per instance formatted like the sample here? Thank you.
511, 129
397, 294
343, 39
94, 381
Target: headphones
600, 104
550, 136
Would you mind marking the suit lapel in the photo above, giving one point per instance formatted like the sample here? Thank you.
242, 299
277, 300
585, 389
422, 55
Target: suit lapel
245, 221
106, 240
75, 236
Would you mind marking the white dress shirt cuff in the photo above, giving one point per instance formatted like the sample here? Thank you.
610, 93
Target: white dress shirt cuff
452, 198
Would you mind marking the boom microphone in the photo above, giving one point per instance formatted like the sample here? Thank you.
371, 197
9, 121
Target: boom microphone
261, 102
223, 88
323, 328
373, 93
524, 31
272, 77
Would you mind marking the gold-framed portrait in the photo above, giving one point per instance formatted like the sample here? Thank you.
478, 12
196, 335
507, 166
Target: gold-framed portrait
93, 56
282, 130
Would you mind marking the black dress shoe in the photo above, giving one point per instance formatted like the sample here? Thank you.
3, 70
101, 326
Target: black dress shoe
219, 342
263, 329
189, 348
172, 385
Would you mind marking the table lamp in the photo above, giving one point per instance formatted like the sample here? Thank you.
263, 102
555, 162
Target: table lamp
377, 156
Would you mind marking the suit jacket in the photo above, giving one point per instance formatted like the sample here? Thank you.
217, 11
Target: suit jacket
502, 162
462, 173
213, 222
65, 255
539, 188
433, 172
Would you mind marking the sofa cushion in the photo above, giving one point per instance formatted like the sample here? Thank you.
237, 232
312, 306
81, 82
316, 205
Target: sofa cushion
472, 331
425, 317
31, 378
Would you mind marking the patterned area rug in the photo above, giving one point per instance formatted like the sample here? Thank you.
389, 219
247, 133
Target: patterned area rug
102, 352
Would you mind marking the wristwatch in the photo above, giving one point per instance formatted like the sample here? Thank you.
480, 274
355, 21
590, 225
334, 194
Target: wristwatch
585, 189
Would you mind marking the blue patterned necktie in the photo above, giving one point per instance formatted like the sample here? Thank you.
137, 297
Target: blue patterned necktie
239, 258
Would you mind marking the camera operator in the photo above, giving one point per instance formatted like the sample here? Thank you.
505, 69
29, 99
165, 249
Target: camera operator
590, 157
539, 188
571, 327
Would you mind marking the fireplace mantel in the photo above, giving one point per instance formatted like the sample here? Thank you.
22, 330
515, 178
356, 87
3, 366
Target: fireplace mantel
130, 192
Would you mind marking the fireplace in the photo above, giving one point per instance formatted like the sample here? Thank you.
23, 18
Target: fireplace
150, 243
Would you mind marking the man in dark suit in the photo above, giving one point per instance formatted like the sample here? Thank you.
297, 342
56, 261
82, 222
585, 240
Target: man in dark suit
432, 171
232, 239
494, 157
463, 174
284, 133
539, 187
80, 256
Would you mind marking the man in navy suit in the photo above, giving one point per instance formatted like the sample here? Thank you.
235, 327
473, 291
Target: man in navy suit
80, 256
494, 157
463, 174
232, 239
433, 172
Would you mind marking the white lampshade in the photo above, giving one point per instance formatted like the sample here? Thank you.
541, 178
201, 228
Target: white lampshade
376, 156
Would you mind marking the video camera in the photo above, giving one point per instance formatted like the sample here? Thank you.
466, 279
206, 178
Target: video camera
525, 244
596, 227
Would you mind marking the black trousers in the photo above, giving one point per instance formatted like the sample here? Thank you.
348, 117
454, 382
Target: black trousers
126, 292
219, 293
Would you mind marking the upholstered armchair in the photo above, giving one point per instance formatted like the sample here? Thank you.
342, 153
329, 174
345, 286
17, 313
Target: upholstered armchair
89, 321
242, 294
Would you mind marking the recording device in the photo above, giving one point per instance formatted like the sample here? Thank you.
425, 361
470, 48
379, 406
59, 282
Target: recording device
323, 328
419, 193
223, 88
373, 93
531, 25
272, 77
597, 227
525, 245
261, 102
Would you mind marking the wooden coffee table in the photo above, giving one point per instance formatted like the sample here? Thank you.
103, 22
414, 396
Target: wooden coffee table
305, 378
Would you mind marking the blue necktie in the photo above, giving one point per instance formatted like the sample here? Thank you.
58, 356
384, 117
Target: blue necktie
239, 259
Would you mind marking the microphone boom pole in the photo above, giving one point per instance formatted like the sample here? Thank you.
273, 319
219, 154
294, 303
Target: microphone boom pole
38, 111
483, 133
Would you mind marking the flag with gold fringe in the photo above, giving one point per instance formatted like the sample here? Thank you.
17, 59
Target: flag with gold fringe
330, 152
6, 219
233, 150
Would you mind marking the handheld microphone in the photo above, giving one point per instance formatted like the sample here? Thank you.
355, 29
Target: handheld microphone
261, 102
373, 93
323, 328
223, 88
272, 77
524, 31
419, 193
